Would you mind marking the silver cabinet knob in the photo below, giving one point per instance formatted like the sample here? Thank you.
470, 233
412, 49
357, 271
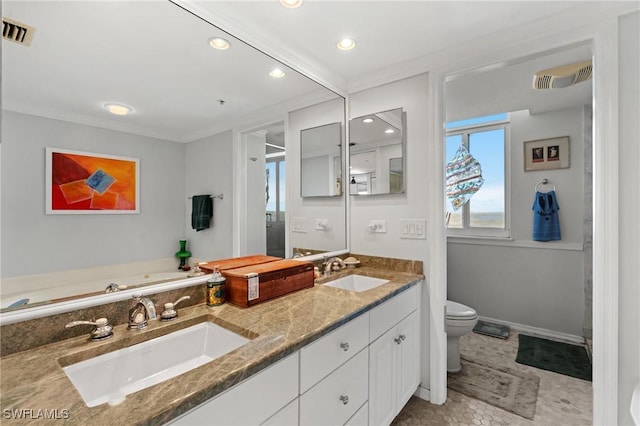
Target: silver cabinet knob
344, 346
344, 399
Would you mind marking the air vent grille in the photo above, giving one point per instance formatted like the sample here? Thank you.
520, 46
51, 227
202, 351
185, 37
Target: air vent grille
563, 76
17, 32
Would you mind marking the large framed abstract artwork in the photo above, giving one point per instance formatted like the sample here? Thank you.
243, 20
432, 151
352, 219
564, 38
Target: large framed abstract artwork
87, 183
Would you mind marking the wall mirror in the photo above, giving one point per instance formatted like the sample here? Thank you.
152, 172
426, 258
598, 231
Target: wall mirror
377, 153
320, 161
179, 90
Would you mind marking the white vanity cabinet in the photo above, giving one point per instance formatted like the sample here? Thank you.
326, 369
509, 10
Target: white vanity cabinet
394, 370
361, 373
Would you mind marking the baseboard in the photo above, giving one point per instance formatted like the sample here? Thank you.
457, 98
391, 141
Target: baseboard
423, 393
539, 332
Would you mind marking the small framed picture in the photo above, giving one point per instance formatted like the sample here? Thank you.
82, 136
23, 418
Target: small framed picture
546, 154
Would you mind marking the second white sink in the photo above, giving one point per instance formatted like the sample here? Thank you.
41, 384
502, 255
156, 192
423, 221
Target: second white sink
113, 376
356, 283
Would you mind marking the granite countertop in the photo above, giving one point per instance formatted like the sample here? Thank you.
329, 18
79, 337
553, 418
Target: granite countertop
34, 380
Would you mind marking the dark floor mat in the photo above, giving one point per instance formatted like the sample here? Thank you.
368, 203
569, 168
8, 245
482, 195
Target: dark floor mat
564, 358
492, 329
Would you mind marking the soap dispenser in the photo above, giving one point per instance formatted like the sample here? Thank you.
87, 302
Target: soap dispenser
216, 288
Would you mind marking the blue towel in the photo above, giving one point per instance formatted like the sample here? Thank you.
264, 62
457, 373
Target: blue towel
201, 212
546, 225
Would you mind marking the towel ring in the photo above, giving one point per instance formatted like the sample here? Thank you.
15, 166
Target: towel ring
544, 181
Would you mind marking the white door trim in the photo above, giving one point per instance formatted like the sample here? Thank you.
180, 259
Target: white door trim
604, 41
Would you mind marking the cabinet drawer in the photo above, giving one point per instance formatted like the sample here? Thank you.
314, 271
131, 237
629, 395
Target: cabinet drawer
393, 311
335, 399
326, 354
252, 401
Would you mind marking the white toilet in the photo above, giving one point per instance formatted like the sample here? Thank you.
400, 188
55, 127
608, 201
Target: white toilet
460, 320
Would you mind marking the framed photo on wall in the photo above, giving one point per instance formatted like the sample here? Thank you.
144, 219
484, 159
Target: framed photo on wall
547, 154
87, 183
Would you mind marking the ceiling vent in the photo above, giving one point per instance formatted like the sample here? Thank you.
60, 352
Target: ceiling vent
17, 32
564, 76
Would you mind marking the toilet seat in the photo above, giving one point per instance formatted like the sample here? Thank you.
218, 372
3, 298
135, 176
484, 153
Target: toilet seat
458, 311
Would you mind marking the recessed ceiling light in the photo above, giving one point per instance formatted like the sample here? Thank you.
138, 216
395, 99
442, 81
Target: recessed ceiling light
118, 109
219, 43
389, 131
346, 44
276, 73
291, 4
368, 120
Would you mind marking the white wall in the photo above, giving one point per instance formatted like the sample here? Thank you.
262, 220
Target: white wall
312, 208
209, 170
521, 281
256, 195
629, 196
412, 95
33, 242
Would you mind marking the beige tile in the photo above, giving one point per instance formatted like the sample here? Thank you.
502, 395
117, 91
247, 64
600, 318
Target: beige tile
562, 400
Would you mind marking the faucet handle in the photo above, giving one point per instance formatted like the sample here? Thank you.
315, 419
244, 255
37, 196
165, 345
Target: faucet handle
170, 312
102, 330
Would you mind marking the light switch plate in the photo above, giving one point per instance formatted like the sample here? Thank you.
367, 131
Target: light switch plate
415, 229
299, 224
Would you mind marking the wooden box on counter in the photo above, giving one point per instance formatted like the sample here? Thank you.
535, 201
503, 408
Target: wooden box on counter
258, 283
237, 262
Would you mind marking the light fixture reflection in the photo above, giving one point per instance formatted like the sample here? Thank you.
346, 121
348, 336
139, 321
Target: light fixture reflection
219, 43
389, 131
291, 4
118, 109
346, 44
368, 120
276, 73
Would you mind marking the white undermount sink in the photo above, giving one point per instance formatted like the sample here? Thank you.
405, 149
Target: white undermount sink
112, 376
356, 283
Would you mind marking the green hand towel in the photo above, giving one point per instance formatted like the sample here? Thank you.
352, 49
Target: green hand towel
201, 212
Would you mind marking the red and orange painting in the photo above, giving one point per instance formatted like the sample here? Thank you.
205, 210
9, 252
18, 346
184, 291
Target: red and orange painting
83, 182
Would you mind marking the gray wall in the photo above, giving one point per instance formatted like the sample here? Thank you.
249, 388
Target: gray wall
629, 206
522, 281
33, 242
209, 170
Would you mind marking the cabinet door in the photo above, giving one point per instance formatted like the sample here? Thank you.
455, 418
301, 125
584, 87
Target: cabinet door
382, 381
408, 368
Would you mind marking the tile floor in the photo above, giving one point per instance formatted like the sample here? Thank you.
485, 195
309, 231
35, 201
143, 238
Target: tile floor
562, 400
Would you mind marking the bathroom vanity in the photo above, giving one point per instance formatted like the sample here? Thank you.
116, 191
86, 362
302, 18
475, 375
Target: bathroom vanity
323, 355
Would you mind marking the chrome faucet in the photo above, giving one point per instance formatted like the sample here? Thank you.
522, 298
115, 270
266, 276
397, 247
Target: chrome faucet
142, 313
103, 330
327, 265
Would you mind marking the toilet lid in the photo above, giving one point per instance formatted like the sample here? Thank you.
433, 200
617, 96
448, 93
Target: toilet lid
458, 310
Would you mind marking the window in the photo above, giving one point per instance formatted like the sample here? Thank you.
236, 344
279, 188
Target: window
486, 139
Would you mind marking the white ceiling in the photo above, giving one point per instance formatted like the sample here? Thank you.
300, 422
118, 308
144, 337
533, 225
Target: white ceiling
154, 56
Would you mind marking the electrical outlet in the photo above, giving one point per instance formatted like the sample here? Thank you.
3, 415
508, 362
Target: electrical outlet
299, 224
415, 229
322, 224
377, 226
